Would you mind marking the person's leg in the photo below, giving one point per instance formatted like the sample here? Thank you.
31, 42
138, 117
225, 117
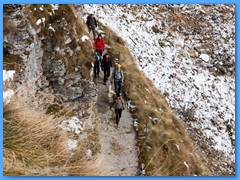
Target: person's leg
119, 86
100, 52
89, 29
94, 32
105, 75
97, 70
116, 87
120, 114
108, 72
117, 116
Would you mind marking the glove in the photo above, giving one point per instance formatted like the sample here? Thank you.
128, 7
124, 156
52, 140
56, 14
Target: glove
111, 82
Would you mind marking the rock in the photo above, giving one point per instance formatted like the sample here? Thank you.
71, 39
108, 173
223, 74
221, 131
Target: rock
58, 68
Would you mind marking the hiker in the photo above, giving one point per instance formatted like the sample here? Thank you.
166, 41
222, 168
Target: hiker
97, 62
118, 104
106, 67
92, 24
117, 78
99, 44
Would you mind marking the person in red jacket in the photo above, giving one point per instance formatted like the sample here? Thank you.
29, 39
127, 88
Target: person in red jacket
99, 44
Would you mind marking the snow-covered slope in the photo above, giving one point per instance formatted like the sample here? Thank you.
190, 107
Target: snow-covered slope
188, 52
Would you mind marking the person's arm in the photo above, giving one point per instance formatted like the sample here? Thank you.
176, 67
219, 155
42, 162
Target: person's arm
87, 22
110, 61
112, 104
95, 22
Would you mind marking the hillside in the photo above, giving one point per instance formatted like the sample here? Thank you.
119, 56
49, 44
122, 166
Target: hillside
188, 52
48, 53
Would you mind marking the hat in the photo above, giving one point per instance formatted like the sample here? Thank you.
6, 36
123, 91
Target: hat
119, 65
99, 35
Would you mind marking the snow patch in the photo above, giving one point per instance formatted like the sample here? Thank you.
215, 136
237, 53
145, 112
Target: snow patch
71, 144
205, 57
84, 38
72, 125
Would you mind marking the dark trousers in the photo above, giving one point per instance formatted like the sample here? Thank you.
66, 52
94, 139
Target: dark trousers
118, 115
100, 52
90, 28
96, 70
118, 86
106, 74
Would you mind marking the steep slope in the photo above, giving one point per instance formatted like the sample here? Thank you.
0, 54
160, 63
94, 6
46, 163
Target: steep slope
173, 45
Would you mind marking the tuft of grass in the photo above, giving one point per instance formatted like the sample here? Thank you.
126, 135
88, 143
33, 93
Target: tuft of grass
34, 144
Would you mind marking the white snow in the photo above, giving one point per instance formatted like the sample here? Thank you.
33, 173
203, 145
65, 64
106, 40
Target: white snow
8, 93
185, 163
205, 57
8, 75
71, 144
89, 152
55, 6
72, 125
41, 21
84, 38
51, 28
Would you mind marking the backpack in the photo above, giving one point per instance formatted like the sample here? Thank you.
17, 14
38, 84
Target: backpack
97, 59
116, 74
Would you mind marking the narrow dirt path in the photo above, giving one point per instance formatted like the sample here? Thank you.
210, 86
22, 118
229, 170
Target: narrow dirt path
118, 145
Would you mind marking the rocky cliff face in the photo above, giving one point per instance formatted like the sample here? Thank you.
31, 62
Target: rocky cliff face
43, 44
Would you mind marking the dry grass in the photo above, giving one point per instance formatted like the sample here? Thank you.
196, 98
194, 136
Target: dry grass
34, 145
8, 27
166, 147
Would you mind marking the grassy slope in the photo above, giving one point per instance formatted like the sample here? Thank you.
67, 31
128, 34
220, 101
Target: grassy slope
166, 147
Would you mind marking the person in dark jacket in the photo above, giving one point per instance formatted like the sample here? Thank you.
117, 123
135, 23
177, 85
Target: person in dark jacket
97, 63
118, 104
106, 65
99, 44
92, 24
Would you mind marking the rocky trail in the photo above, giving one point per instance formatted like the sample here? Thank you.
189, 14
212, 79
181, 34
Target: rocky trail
118, 145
